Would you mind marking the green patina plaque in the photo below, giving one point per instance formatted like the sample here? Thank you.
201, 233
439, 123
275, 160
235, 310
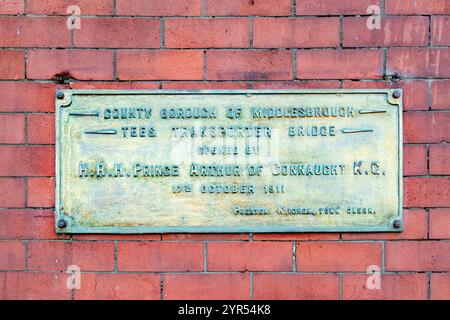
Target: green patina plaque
228, 161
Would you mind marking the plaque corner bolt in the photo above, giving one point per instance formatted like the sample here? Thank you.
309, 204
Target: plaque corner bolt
397, 224
397, 94
60, 95
62, 223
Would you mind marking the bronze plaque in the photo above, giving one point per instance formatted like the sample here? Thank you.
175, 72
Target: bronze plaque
228, 161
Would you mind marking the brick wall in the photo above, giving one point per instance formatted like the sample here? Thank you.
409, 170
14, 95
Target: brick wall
191, 44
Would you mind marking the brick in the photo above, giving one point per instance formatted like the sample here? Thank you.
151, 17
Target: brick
439, 223
12, 64
337, 256
13, 128
394, 31
249, 65
118, 33
415, 227
440, 94
426, 192
440, 159
393, 287
426, 127
415, 92
27, 97
440, 286
295, 236
249, 8
422, 62
249, 256
27, 224
417, 256
125, 85
205, 85
157, 256
415, 160
58, 255
296, 85
12, 192
118, 287
207, 33
417, 7
440, 31
205, 236
41, 192
11, 7
27, 161
160, 65
34, 286
12, 255
235, 286
41, 128
329, 7
159, 8
339, 64
25, 32
295, 32
87, 7
295, 286
74, 64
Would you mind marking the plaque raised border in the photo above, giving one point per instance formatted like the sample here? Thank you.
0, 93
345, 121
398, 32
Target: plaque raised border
64, 223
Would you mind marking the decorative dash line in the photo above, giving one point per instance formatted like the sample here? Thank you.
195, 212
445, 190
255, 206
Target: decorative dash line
102, 131
84, 114
356, 130
371, 111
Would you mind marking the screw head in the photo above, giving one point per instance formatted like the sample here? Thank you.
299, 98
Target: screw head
397, 224
397, 94
60, 95
62, 223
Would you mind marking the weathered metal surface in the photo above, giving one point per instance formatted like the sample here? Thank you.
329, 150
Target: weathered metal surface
228, 161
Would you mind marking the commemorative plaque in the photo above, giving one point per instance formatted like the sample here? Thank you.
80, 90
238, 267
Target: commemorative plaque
228, 161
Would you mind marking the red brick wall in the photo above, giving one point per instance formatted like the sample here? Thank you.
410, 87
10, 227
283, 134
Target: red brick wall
235, 44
